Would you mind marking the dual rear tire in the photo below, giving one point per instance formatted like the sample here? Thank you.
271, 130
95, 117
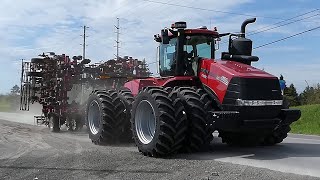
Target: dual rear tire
106, 118
166, 121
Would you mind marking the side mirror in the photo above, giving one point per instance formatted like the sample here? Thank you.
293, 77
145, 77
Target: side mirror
165, 36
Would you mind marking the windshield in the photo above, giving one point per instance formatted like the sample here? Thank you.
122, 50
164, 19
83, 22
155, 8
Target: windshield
194, 46
200, 46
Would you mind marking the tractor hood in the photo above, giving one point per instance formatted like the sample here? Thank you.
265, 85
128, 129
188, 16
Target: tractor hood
242, 70
222, 76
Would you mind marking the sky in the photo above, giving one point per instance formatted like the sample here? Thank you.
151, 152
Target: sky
28, 28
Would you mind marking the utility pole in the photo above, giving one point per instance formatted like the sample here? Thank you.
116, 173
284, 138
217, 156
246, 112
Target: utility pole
118, 37
84, 42
83, 58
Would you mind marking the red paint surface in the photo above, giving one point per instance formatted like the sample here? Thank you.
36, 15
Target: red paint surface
228, 69
208, 73
136, 85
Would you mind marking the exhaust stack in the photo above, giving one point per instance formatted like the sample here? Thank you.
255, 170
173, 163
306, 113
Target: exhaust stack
244, 24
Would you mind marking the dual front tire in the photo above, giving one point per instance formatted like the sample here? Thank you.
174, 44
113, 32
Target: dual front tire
153, 122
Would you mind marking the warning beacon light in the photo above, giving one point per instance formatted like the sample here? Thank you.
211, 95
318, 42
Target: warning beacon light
179, 25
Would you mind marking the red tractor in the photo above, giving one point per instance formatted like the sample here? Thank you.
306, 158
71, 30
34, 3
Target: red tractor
195, 96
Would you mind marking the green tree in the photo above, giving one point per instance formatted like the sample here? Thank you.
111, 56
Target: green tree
311, 95
13, 98
292, 96
15, 90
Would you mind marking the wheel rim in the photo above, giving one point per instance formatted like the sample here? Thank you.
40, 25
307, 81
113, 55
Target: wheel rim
94, 117
145, 122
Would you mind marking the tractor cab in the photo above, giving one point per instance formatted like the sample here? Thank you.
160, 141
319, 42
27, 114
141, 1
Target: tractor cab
180, 49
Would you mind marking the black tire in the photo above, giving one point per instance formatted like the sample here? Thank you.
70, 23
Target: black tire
101, 118
196, 116
35, 74
74, 124
37, 60
71, 125
54, 123
209, 105
181, 121
158, 141
124, 126
240, 139
278, 135
79, 123
280, 132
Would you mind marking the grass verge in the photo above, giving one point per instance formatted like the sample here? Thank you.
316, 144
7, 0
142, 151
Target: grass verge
4, 107
309, 123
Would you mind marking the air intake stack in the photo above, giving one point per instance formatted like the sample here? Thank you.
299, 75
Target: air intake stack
240, 48
241, 45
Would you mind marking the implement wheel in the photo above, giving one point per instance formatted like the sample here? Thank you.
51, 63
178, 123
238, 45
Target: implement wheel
74, 124
54, 123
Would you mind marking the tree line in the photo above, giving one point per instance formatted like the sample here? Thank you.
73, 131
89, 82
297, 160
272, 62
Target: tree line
310, 95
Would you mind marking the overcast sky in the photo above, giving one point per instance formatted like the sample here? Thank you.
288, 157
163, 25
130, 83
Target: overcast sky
28, 28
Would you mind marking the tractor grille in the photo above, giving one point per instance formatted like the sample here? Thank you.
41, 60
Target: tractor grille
253, 89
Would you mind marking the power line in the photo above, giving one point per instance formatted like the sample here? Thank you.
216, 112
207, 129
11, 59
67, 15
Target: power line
155, 12
114, 12
291, 18
288, 37
271, 27
275, 27
212, 10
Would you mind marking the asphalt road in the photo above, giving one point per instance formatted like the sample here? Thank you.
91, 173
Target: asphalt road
31, 152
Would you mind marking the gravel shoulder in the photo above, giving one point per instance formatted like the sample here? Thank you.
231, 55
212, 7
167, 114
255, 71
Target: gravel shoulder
28, 152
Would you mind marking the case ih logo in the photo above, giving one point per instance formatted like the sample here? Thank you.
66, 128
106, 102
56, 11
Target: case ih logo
222, 79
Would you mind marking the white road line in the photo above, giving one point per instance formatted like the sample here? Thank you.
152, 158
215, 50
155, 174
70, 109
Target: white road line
318, 140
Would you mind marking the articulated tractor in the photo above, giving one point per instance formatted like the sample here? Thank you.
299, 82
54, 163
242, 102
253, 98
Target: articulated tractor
196, 94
